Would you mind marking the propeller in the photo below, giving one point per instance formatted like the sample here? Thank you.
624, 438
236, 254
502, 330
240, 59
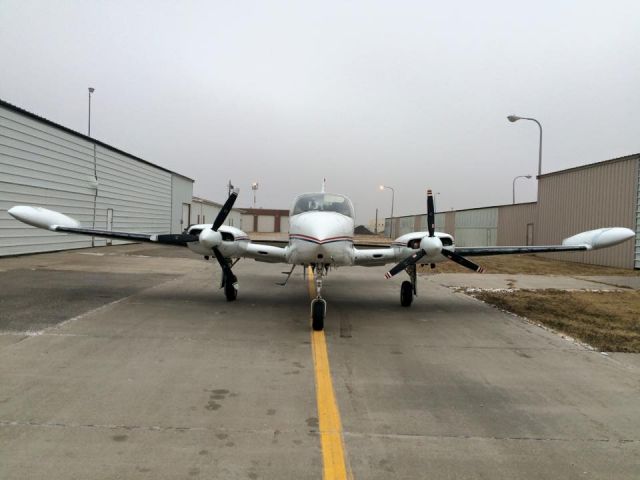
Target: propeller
431, 245
212, 238
459, 259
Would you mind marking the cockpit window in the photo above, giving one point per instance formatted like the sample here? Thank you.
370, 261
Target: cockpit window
322, 202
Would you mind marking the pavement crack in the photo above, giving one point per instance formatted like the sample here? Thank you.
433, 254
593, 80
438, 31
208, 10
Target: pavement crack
497, 438
148, 428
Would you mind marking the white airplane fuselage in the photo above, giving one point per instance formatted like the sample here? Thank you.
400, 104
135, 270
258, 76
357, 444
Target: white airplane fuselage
321, 237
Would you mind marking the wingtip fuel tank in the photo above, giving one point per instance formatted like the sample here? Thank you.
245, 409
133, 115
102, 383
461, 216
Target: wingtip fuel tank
600, 238
41, 217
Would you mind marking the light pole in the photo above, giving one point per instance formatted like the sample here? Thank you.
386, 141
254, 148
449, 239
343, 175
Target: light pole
514, 185
254, 187
91, 90
393, 194
515, 118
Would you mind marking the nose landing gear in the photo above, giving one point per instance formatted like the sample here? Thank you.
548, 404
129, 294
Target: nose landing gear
318, 312
318, 304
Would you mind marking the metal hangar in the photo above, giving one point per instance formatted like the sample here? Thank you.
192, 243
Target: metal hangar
46, 164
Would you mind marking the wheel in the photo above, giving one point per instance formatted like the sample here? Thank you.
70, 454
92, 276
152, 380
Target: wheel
406, 294
230, 291
318, 312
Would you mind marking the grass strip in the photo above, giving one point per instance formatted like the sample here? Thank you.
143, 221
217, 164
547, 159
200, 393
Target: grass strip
608, 321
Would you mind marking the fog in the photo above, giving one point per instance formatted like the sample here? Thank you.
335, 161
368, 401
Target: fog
413, 95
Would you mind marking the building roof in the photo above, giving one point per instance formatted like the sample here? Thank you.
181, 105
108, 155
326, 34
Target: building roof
33, 116
266, 211
633, 156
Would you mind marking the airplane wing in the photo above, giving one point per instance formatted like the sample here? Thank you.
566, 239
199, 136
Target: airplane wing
590, 240
474, 251
58, 222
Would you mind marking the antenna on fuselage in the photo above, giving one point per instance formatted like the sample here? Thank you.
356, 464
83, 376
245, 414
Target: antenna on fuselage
324, 181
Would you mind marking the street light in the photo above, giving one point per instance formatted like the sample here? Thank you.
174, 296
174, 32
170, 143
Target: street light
393, 194
254, 187
515, 118
514, 185
91, 90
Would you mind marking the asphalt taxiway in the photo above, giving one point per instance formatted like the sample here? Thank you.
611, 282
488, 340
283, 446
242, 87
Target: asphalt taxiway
128, 362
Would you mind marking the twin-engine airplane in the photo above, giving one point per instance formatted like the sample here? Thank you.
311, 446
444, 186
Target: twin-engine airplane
321, 227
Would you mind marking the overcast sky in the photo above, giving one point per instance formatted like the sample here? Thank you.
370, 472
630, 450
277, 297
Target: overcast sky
410, 94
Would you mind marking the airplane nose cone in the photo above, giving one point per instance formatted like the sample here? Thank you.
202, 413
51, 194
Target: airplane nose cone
325, 226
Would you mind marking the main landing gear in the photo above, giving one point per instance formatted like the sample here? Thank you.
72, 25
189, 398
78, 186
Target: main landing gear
318, 304
408, 288
231, 290
229, 282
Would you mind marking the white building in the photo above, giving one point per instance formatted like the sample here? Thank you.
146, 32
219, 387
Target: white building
205, 211
48, 165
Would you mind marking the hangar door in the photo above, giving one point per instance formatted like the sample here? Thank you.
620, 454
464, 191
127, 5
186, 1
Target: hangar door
247, 223
266, 223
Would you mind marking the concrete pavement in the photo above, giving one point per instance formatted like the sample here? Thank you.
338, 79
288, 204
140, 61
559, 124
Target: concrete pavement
162, 378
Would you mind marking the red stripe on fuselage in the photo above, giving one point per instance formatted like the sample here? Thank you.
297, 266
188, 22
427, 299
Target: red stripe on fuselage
319, 241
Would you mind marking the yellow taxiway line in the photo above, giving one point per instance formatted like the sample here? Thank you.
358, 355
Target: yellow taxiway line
333, 457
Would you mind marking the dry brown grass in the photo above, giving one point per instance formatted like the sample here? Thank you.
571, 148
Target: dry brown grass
532, 265
608, 321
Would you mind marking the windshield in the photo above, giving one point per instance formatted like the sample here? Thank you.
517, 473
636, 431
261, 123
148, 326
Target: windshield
322, 202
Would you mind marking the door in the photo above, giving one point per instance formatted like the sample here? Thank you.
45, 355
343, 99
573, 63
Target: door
186, 215
109, 223
529, 234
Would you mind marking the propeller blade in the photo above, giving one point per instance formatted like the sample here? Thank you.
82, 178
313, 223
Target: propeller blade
412, 260
224, 212
459, 259
431, 214
226, 268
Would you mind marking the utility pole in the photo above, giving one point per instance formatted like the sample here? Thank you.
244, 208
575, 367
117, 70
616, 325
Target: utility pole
91, 90
375, 229
254, 187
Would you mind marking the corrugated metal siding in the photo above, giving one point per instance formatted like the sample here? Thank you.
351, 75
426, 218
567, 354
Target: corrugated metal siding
603, 195
46, 166
450, 223
181, 192
407, 225
476, 228
139, 195
637, 256
42, 166
513, 221
396, 227
204, 212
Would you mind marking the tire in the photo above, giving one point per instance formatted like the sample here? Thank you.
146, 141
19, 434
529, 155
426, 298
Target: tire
406, 294
230, 292
318, 312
